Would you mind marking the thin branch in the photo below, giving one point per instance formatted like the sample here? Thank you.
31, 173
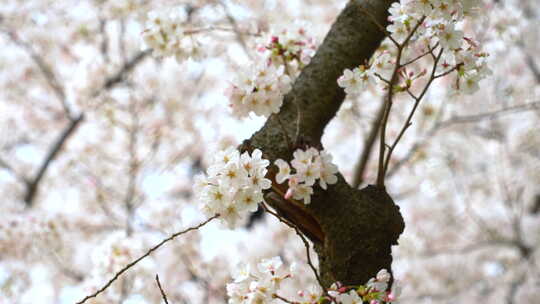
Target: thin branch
535, 70
150, 251
368, 148
429, 51
45, 69
448, 72
104, 45
216, 28
280, 218
163, 295
206, 286
439, 125
416, 146
33, 184
380, 26
489, 244
493, 114
123, 71
275, 196
276, 296
388, 104
6, 165
134, 166
234, 24
384, 121
408, 122
514, 287
310, 263
122, 40
382, 78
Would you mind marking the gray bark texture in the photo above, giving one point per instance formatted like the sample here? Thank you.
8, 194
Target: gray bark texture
352, 230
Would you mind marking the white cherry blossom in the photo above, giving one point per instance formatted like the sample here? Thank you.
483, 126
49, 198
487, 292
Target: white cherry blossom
350, 298
284, 171
234, 185
355, 81
310, 165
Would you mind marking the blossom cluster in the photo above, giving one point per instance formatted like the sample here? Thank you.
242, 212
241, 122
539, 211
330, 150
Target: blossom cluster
262, 284
262, 88
110, 256
165, 33
310, 165
373, 292
30, 234
121, 8
356, 80
430, 24
292, 47
259, 91
234, 185
257, 285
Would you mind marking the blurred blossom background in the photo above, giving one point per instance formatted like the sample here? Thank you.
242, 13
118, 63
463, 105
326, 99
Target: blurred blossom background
101, 139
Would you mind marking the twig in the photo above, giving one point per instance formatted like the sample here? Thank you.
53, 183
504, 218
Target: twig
429, 51
388, 104
447, 72
150, 251
121, 73
493, 114
368, 148
206, 286
382, 78
163, 295
122, 40
380, 26
6, 165
514, 287
276, 296
417, 145
234, 24
215, 28
104, 45
408, 122
33, 184
304, 240
46, 70
535, 70
280, 218
439, 125
310, 263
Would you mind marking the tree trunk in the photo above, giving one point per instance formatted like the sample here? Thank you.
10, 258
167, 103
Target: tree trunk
352, 230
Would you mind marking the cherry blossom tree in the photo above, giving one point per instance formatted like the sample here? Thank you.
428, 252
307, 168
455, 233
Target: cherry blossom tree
265, 151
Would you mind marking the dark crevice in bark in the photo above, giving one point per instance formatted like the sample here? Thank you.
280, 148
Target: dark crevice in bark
356, 228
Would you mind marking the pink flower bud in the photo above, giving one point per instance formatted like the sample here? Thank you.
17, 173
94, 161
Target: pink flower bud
289, 193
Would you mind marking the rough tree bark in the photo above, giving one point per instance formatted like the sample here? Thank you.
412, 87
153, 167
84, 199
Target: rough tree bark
352, 230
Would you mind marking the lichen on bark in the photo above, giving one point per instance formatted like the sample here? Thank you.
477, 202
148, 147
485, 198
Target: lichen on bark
358, 226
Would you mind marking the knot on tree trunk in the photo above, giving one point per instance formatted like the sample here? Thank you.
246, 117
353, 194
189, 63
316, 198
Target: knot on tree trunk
360, 226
